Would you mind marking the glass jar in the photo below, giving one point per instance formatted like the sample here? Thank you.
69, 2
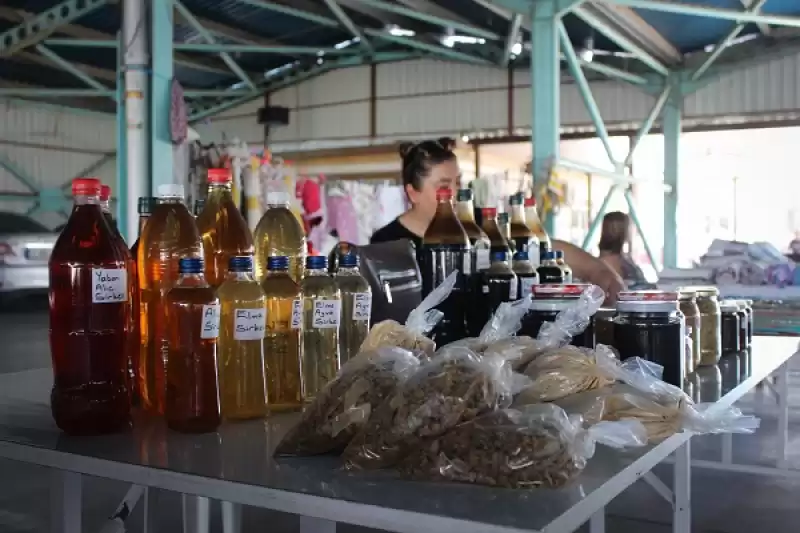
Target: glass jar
751, 324
747, 307
710, 325
690, 310
744, 324
548, 301
730, 327
649, 325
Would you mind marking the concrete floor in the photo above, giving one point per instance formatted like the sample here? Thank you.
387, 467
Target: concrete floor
722, 502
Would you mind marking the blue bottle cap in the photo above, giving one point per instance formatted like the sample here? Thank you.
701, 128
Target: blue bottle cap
190, 265
559, 254
549, 254
521, 256
499, 256
278, 262
240, 263
315, 262
348, 260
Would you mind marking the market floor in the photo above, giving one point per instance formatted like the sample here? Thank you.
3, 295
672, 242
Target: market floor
722, 502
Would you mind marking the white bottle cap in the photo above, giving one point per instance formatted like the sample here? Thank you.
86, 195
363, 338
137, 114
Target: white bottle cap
277, 198
170, 190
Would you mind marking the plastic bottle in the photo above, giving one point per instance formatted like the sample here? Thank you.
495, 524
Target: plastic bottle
90, 320
169, 235
280, 233
193, 311
242, 385
105, 205
481, 260
145, 209
322, 307
198, 207
490, 226
526, 273
523, 238
549, 271
282, 341
445, 249
223, 228
564, 266
535, 224
504, 223
356, 307
500, 284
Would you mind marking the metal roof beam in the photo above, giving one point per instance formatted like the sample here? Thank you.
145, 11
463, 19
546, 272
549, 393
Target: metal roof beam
512, 39
206, 35
765, 30
441, 51
40, 26
235, 34
90, 70
66, 66
316, 18
347, 22
669, 6
254, 49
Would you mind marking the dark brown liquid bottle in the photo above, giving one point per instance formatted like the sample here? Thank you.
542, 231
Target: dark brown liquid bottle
550, 271
504, 223
526, 273
492, 230
481, 260
446, 249
522, 237
535, 224
193, 314
500, 284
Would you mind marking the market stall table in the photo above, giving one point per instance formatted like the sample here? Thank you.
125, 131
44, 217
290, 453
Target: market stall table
235, 465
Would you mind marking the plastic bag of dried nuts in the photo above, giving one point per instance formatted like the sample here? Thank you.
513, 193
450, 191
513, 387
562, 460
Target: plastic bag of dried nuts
535, 446
453, 387
345, 404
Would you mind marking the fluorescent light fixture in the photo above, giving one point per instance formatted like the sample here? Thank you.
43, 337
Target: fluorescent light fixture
451, 40
345, 44
587, 54
465, 138
397, 31
516, 49
277, 71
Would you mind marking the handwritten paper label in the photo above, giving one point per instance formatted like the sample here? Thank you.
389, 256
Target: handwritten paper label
482, 259
362, 306
210, 327
249, 324
526, 286
109, 285
512, 290
485, 289
326, 314
297, 314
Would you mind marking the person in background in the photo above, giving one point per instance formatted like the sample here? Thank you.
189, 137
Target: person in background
430, 165
794, 248
614, 236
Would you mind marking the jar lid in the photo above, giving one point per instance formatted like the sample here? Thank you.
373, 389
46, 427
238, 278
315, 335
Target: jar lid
489, 212
687, 296
649, 301
729, 306
530, 201
706, 291
219, 175
558, 291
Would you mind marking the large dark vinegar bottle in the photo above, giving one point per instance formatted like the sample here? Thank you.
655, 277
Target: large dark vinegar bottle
445, 249
90, 320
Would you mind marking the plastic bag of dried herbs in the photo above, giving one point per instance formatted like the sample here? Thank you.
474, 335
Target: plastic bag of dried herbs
342, 408
410, 335
535, 446
453, 387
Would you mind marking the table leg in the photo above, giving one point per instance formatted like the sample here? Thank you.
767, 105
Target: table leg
151, 496
597, 523
783, 413
316, 525
682, 489
727, 448
196, 514
66, 501
231, 517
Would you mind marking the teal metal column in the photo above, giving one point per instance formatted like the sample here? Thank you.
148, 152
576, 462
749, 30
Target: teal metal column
161, 163
122, 160
545, 87
672, 136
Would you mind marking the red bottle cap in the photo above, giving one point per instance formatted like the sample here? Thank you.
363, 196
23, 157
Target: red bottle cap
444, 194
489, 212
219, 175
647, 296
86, 187
530, 202
105, 193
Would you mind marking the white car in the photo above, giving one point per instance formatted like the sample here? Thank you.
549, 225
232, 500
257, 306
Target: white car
25, 247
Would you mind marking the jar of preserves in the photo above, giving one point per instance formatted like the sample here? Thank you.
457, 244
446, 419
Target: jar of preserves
548, 301
751, 325
746, 324
649, 325
730, 327
688, 306
710, 325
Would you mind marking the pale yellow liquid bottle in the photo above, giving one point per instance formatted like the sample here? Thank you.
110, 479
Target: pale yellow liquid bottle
223, 228
240, 360
322, 306
280, 233
282, 342
356, 307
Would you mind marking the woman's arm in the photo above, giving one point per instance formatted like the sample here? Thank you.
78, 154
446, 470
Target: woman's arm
591, 269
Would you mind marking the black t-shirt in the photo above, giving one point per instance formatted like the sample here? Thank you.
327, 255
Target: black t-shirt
394, 231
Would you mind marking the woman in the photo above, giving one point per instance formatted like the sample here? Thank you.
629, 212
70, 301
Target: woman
614, 236
430, 165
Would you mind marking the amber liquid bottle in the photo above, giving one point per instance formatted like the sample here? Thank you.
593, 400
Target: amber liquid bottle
523, 238
193, 316
169, 235
282, 340
356, 307
481, 260
492, 230
280, 233
145, 209
535, 224
446, 249
90, 321
223, 228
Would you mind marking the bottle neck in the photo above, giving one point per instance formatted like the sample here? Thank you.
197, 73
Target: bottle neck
517, 214
218, 190
348, 271
277, 272
445, 209
143, 218
235, 275
316, 272
191, 279
465, 211
170, 200
105, 206
87, 200
532, 215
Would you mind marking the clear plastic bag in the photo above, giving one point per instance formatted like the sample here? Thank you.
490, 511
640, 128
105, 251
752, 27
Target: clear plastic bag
505, 322
566, 371
573, 320
411, 336
451, 388
536, 446
343, 407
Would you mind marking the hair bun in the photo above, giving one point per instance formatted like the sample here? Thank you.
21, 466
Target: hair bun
405, 148
448, 143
